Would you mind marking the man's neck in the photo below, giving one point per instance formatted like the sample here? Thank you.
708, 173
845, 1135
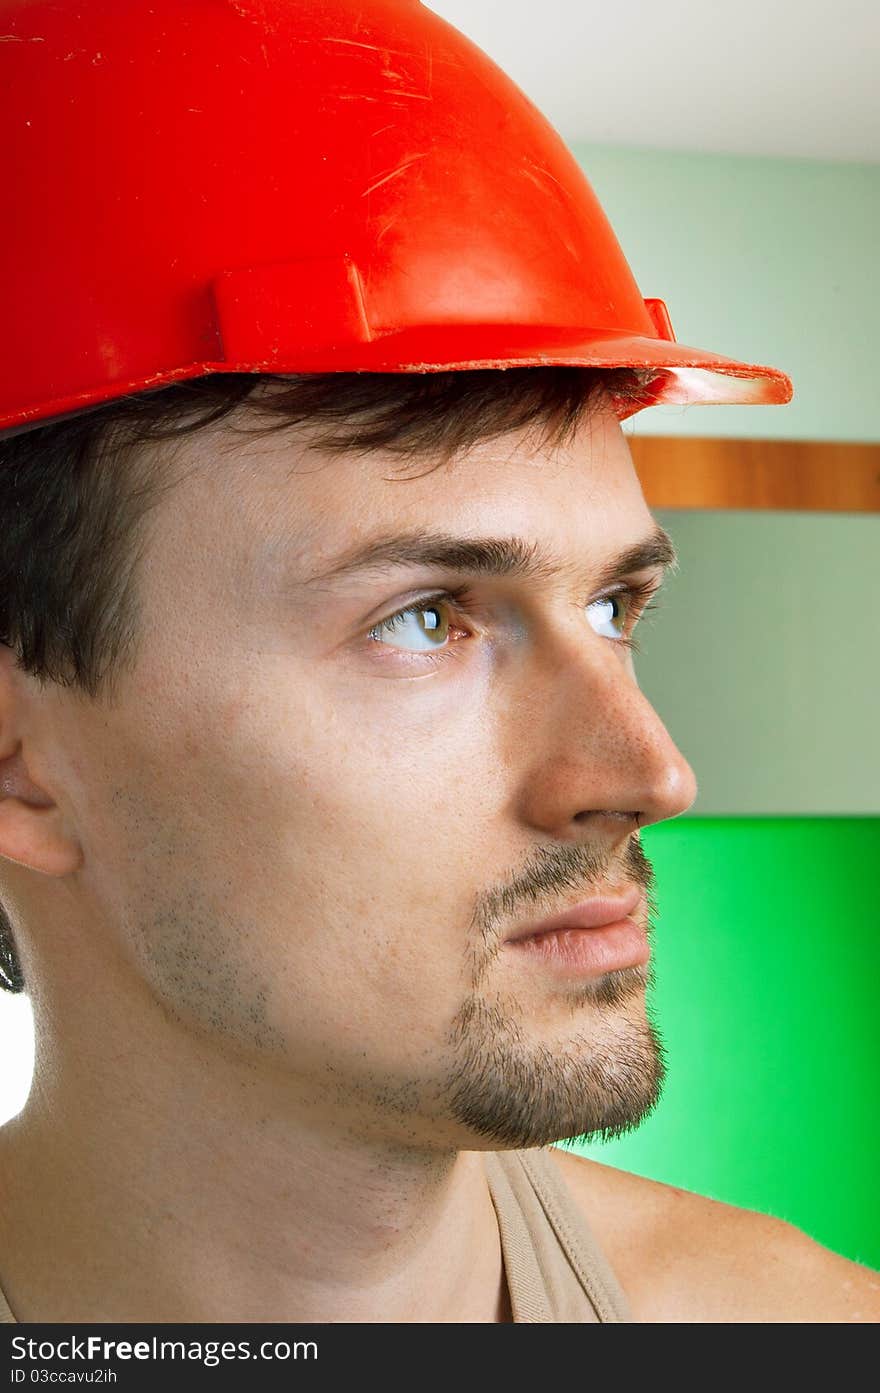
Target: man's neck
139, 1188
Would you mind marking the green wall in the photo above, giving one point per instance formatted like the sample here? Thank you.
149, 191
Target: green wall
769, 260
767, 962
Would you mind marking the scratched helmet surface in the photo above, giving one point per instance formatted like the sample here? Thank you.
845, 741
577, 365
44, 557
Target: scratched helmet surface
200, 186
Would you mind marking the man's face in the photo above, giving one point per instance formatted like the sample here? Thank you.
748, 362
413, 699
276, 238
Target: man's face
308, 834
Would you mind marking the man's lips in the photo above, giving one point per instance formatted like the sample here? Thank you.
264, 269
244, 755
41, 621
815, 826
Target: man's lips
588, 914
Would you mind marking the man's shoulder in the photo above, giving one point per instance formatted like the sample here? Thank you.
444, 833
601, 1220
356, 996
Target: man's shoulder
680, 1256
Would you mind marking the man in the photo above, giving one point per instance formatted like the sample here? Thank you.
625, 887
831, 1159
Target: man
323, 761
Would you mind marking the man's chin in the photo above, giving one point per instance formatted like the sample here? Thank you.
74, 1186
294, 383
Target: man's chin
596, 1081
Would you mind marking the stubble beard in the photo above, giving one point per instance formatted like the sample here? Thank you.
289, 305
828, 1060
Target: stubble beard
601, 1082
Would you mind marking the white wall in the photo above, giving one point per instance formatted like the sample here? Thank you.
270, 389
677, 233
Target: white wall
16, 1053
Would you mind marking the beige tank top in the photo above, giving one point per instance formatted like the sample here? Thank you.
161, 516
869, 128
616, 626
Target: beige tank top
555, 1269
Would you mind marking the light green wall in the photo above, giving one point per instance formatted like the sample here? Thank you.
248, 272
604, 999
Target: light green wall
763, 660
769, 260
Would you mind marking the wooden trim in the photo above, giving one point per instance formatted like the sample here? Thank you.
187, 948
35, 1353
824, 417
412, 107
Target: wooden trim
805, 475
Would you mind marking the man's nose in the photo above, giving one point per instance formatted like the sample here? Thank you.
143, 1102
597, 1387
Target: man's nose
595, 748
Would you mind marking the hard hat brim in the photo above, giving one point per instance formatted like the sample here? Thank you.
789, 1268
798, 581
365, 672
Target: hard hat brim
679, 374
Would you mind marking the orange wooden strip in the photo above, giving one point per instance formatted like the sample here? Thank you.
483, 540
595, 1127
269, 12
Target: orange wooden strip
804, 475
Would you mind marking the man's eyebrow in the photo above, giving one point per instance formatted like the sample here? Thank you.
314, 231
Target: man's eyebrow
491, 556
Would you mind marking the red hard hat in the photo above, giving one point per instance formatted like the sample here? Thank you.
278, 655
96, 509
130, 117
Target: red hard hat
202, 186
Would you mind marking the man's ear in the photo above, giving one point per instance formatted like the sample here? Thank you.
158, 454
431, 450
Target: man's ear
33, 830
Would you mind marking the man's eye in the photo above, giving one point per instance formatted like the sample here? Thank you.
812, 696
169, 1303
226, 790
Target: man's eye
417, 629
609, 615
615, 616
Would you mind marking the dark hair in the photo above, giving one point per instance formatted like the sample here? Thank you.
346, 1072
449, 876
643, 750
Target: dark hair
74, 493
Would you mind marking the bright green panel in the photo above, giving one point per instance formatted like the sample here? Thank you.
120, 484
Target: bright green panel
767, 960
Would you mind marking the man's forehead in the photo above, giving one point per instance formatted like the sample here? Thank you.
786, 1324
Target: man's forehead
508, 509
